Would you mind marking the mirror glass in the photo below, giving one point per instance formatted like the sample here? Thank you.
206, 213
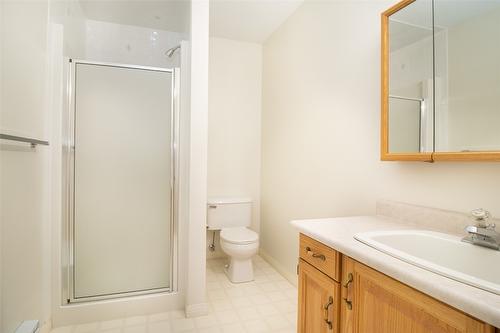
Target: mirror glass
411, 79
467, 81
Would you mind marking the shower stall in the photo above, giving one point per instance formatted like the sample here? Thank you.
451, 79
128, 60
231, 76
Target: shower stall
121, 177
96, 160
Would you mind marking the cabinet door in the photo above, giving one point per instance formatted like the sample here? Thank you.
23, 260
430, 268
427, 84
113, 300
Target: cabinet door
318, 301
381, 304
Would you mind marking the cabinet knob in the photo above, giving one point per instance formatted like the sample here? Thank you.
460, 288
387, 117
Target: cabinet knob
325, 308
311, 253
348, 303
350, 278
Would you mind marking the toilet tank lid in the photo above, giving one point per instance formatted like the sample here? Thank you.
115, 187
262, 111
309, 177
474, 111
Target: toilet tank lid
228, 200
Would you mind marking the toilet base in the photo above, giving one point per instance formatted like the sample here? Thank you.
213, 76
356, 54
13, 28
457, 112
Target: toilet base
239, 271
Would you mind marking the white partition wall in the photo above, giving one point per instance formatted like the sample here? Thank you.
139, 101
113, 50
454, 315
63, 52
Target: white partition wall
121, 208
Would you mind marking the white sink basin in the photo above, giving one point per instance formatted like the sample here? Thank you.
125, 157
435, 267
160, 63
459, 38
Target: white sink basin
440, 253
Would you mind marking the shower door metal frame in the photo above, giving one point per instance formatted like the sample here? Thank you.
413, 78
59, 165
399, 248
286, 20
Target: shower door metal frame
68, 268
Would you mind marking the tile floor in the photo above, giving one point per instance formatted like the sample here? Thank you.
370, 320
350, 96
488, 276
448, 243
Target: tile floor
268, 304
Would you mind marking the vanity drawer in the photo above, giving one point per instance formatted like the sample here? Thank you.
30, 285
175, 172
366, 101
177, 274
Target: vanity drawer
320, 256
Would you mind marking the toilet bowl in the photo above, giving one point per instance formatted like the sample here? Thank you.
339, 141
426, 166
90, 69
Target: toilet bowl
232, 216
240, 244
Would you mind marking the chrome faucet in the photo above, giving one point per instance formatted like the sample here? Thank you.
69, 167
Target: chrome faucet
483, 233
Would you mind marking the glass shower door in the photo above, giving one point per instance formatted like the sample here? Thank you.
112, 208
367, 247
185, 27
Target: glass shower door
123, 180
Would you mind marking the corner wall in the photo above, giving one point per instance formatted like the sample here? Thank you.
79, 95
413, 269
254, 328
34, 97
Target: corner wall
320, 131
234, 121
196, 303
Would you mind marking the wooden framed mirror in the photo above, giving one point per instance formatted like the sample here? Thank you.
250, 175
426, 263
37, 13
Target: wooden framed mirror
441, 81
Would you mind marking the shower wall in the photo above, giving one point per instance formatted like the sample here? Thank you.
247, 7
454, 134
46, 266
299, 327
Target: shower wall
70, 17
111, 42
89, 39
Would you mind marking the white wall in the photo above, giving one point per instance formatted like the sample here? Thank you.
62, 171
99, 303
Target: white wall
24, 177
320, 131
234, 121
196, 303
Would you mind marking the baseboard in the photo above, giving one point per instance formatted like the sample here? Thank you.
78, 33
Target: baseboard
46, 327
290, 276
196, 310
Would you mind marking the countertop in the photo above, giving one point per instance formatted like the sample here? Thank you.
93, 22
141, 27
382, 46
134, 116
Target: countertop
338, 234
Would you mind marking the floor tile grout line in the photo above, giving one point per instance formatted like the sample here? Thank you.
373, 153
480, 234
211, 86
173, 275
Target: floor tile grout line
261, 308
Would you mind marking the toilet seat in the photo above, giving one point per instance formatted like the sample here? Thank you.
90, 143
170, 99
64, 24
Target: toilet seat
239, 235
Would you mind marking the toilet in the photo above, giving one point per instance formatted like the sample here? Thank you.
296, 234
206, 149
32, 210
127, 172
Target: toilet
232, 216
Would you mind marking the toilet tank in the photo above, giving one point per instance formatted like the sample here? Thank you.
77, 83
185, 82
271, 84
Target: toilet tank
228, 213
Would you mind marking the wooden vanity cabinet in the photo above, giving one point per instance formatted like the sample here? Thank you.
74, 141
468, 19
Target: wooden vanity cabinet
319, 288
319, 302
373, 302
358, 299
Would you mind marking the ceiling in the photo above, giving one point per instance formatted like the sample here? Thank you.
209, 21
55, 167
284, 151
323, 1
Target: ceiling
249, 20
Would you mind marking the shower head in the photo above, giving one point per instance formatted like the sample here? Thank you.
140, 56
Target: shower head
170, 52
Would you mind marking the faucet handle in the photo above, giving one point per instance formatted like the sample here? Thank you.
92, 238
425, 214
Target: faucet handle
481, 217
484, 232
